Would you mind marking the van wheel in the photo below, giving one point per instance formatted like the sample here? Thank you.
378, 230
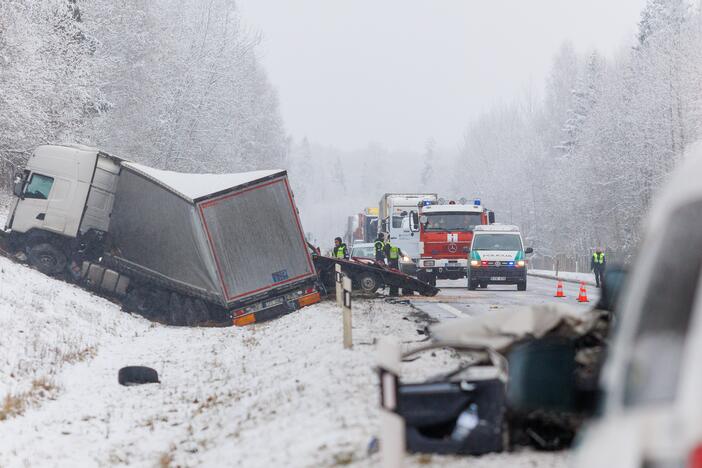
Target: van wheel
47, 259
472, 285
521, 286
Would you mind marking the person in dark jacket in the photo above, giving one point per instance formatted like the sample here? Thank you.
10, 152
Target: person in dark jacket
598, 265
379, 246
340, 249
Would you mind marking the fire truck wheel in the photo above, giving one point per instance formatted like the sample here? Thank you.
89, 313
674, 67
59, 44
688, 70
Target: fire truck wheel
47, 259
368, 282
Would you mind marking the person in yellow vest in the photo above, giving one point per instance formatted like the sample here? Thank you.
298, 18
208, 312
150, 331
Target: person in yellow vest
340, 249
597, 265
379, 247
393, 254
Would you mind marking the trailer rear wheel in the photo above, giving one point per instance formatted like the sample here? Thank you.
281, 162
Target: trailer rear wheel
368, 282
176, 314
47, 259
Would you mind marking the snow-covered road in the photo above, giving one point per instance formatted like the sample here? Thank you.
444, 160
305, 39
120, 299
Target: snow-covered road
456, 301
282, 393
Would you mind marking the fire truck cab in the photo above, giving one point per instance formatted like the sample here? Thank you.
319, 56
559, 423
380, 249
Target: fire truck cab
445, 234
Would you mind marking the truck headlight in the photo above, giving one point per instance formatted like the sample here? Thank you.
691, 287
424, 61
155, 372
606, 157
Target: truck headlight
406, 259
428, 263
475, 263
521, 263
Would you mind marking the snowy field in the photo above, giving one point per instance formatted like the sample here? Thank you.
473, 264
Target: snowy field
283, 393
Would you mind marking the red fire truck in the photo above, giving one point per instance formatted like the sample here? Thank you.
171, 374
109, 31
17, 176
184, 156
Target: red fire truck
445, 233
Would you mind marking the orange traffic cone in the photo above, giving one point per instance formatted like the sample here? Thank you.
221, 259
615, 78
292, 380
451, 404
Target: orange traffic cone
559, 289
582, 297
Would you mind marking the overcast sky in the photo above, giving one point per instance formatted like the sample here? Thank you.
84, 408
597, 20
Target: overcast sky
397, 72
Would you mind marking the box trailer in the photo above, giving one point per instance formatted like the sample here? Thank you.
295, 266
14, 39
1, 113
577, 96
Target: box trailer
180, 248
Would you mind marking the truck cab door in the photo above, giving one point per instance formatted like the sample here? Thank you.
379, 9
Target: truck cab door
33, 205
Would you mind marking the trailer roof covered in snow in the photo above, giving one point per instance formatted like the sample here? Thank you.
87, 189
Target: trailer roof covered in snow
193, 187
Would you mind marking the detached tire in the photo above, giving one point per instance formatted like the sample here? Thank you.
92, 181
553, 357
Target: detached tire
47, 259
137, 375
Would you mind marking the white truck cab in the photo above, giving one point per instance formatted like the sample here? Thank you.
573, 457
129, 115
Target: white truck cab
51, 193
652, 381
394, 220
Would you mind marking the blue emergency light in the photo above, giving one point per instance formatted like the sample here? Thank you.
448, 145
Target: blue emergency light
477, 202
426, 202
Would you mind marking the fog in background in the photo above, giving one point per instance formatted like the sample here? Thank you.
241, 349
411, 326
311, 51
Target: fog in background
397, 72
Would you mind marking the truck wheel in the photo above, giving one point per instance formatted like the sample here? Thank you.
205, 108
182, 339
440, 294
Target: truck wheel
483, 285
368, 283
47, 259
136, 301
521, 286
190, 313
176, 313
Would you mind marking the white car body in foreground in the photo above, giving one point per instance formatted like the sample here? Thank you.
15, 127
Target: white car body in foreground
653, 379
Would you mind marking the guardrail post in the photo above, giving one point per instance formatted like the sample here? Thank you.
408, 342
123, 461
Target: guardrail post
348, 339
339, 291
392, 425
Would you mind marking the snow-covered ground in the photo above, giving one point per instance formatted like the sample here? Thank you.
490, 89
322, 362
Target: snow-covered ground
282, 393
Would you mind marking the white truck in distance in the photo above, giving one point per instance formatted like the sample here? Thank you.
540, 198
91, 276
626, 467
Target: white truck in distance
394, 220
184, 249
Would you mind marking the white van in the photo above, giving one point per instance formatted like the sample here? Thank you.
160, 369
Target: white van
652, 381
497, 256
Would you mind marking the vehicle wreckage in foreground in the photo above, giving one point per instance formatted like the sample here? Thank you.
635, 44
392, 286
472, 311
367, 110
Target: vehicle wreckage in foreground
529, 377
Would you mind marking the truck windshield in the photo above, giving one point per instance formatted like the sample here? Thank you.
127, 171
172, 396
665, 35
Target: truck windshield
452, 221
397, 221
497, 242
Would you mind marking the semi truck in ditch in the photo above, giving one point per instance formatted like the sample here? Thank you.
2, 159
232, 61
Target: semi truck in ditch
394, 220
182, 249
445, 231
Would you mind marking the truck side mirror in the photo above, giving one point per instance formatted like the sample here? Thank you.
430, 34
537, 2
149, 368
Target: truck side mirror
491, 217
529, 250
423, 220
414, 221
18, 185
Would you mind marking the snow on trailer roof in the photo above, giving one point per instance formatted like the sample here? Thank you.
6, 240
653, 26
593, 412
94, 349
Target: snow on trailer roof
193, 187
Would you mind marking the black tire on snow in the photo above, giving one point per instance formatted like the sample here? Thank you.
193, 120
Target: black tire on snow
47, 259
522, 286
432, 280
368, 283
472, 285
137, 375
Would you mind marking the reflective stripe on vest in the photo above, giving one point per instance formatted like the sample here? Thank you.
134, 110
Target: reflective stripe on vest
394, 253
379, 246
600, 259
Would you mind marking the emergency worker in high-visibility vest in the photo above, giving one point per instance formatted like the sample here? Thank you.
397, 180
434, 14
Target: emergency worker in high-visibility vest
393, 254
379, 247
597, 265
340, 249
